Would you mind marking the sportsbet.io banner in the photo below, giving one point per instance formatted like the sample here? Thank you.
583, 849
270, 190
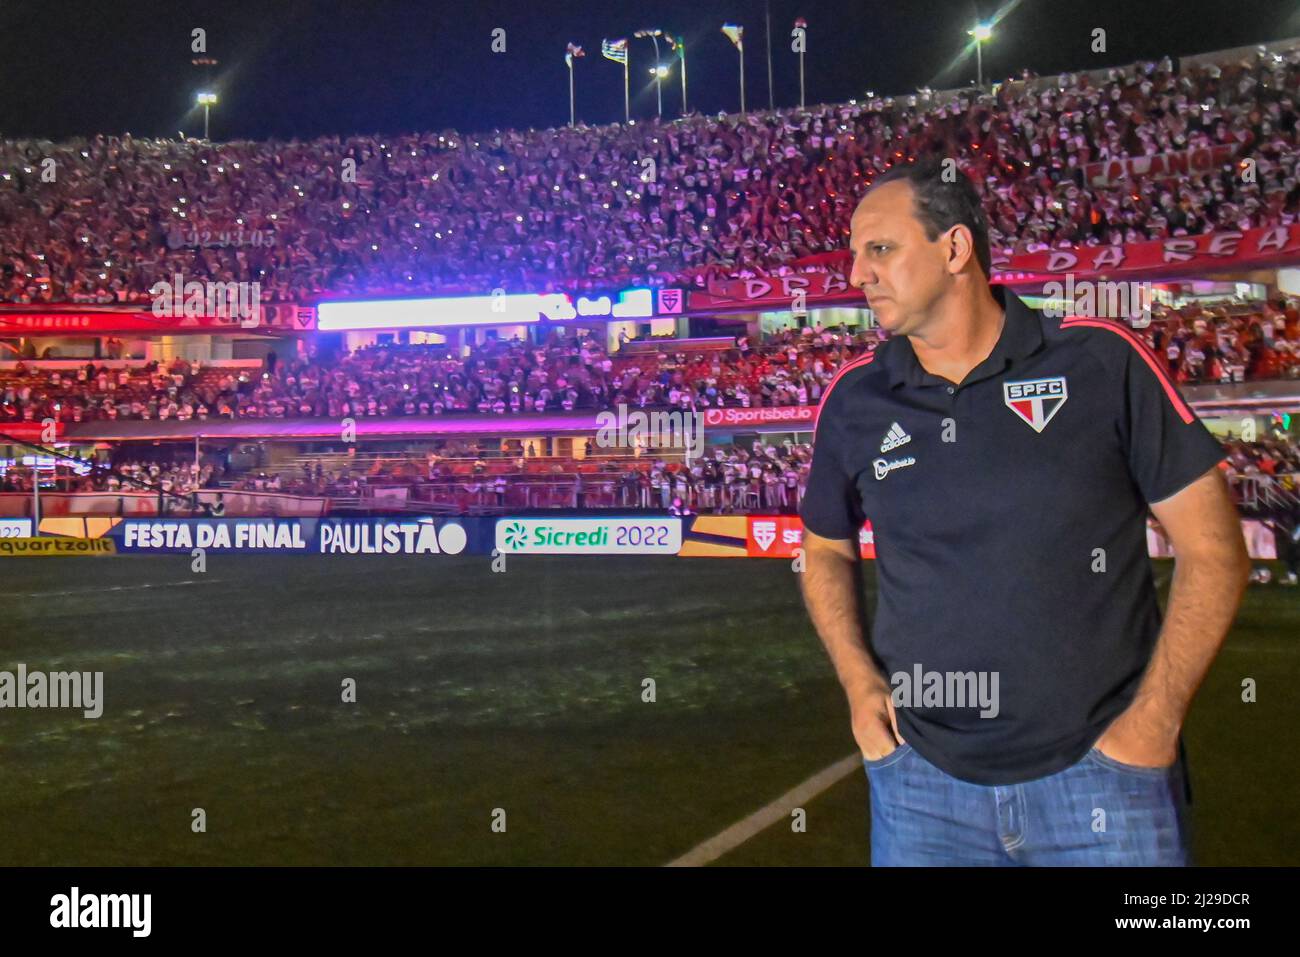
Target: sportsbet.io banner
793, 415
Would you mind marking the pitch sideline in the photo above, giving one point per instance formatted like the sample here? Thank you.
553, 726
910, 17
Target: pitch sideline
740, 832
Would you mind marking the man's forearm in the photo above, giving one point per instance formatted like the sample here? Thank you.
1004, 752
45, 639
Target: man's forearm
1203, 600
832, 594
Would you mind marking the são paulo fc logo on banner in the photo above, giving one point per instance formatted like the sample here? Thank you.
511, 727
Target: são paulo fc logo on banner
1035, 400
764, 534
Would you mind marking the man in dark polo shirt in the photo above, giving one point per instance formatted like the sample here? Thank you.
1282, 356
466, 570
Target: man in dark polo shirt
1020, 700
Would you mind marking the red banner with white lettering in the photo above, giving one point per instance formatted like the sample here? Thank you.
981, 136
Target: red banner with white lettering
1179, 255
99, 321
1193, 256
777, 536
805, 290
29, 431
1160, 165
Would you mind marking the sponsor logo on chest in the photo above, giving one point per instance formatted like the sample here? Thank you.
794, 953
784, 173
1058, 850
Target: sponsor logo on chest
894, 438
884, 467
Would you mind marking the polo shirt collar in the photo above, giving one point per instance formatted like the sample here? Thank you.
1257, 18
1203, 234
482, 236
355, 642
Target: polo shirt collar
1021, 336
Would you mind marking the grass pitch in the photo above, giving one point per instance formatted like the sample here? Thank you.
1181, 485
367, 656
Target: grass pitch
476, 691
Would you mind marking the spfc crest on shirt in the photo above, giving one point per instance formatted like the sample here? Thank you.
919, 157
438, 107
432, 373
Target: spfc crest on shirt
1035, 400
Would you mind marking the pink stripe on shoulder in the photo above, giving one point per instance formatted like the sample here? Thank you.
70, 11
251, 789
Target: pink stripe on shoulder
1162, 374
855, 364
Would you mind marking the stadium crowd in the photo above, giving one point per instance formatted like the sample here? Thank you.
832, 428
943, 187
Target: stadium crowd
562, 209
1201, 344
760, 477
566, 374
1271, 456
1217, 344
1227, 343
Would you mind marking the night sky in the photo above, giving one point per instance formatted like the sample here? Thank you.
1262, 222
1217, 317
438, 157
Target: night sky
293, 68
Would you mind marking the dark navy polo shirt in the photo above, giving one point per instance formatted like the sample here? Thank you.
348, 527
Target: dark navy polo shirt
1009, 519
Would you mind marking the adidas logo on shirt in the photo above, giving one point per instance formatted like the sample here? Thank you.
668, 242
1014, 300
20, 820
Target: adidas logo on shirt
894, 438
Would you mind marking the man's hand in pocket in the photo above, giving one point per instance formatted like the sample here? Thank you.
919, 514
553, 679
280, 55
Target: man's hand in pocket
875, 726
1133, 740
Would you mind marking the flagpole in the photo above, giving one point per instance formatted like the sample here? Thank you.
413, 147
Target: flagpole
659, 80
681, 46
570, 54
767, 14
736, 34
36, 495
801, 103
801, 47
742, 79
617, 50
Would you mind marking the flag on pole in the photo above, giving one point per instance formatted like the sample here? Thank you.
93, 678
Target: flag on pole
735, 34
615, 50
572, 51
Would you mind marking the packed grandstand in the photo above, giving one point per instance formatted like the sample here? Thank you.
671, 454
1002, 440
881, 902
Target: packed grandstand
1200, 345
1156, 152
555, 209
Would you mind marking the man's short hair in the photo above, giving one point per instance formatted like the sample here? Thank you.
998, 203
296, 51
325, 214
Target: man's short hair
940, 204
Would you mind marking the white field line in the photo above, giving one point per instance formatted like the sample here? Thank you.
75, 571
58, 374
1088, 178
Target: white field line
101, 588
765, 817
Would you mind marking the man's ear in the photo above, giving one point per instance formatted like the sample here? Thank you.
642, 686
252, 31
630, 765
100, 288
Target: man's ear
959, 247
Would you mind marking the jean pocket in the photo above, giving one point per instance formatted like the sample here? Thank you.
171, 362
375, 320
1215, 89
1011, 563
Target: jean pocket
893, 757
1106, 761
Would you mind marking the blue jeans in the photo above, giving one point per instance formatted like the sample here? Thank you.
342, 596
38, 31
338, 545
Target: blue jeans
1097, 812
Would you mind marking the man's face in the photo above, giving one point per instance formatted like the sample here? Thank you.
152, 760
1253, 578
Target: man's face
900, 271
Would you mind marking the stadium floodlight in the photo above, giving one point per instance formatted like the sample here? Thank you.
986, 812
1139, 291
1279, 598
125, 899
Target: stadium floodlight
981, 32
207, 101
654, 36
